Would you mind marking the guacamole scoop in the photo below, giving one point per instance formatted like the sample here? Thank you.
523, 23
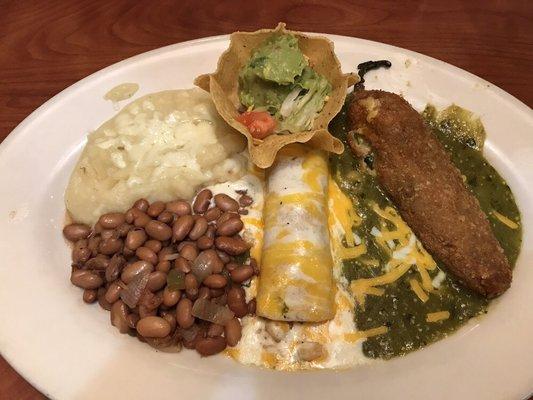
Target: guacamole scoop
292, 79
279, 80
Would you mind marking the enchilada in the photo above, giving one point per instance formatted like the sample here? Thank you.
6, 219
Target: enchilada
296, 275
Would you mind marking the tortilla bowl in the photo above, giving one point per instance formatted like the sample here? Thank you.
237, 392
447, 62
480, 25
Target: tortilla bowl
223, 85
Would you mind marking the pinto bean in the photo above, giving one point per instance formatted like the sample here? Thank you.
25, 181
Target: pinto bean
241, 274
237, 301
145, 254
156, 281
113, 292
75, 232
135, 238
132, 320
198, 229
202, 201
252, 305
182, 227
166, 217
245, 200
231, 266
231, 245
233, 332
171, 297
110, 246
85, 279
111, 220
153, 327
93, 244
158, 230
89, 296
230, 227
133, 270
179, 207
190, 282
81, 253
225, 202
210, 346
216, 296
170, 317
122, 230
163, 266
141, 220
189, 252
215, 281
154, 245
183, 265
226, 216
108, 234
210, 233
155, 209
100, 294
205, 242
100, 262
142, 205
184, 315
213, 214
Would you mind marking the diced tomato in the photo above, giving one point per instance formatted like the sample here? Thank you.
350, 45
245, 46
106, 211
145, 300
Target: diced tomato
260, 124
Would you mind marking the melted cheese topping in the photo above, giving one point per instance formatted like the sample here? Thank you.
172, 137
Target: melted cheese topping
296, 270
341, 342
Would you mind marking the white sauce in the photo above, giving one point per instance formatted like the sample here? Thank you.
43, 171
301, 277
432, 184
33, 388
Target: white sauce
121, 92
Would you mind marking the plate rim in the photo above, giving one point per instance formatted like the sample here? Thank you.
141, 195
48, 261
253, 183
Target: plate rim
18, 133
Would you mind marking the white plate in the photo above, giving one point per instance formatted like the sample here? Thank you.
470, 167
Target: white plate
69, 350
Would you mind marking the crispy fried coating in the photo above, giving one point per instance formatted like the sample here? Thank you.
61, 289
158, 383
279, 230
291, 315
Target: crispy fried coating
417, 173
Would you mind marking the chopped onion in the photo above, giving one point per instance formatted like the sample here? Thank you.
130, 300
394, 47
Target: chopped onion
133, 291
169, 344
171, 257
202, 266
189, 335
212, 312
290, 101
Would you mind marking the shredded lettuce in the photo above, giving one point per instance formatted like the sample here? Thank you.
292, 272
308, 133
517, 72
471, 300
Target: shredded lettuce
300, 111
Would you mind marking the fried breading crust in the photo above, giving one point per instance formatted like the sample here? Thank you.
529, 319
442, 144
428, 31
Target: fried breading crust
417, 173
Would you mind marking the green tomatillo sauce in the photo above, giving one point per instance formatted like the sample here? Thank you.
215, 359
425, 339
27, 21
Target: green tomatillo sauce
399, 308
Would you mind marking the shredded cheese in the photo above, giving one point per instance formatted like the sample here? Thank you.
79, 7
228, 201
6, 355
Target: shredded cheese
505, 220
374, 291
342, 212
415, 287
437, 316
348, 253
353, 337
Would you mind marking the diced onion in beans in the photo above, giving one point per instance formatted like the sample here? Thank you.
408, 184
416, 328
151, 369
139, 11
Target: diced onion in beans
212, 312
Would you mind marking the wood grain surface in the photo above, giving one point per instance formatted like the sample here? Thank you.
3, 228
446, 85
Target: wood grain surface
47, 45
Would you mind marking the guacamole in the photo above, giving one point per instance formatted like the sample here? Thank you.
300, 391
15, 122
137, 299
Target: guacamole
279, 80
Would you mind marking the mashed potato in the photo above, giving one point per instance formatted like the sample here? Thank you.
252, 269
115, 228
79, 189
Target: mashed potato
162, 146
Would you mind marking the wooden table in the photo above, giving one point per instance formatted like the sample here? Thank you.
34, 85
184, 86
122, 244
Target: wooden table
46, 46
